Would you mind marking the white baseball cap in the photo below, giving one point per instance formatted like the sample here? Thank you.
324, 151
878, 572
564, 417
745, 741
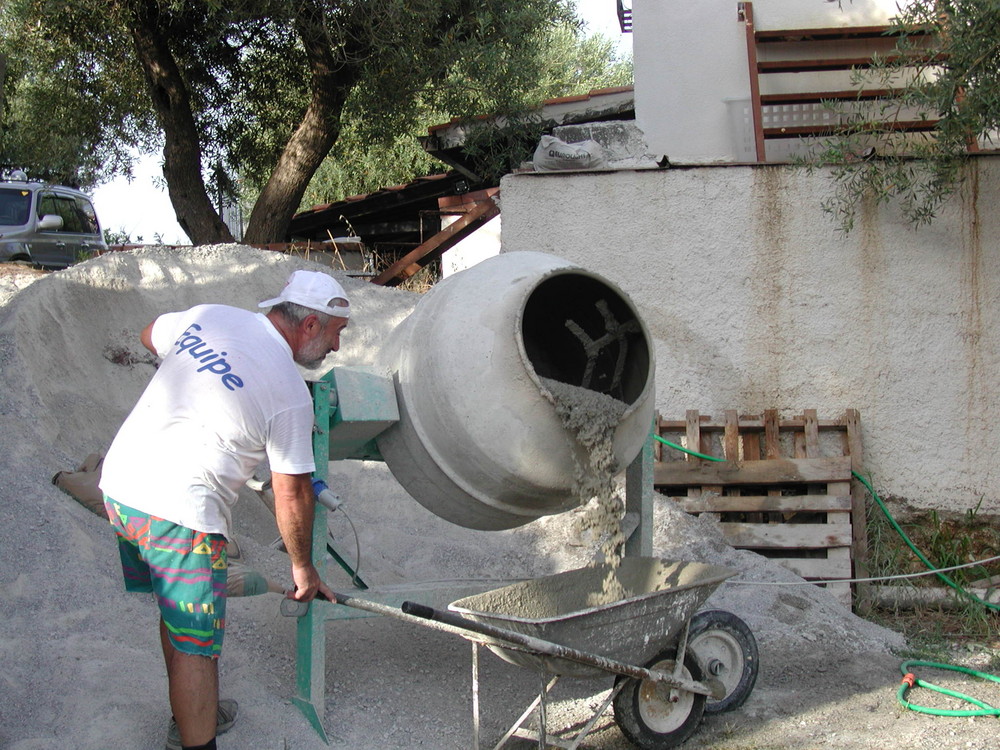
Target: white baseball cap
315, 290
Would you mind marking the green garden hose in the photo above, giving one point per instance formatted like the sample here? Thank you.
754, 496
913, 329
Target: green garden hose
911, 681
885, 511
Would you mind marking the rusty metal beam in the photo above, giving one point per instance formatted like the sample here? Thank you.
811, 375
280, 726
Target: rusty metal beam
435, 247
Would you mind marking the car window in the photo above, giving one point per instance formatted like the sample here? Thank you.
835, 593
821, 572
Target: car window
15, 207
88, 216
64, 206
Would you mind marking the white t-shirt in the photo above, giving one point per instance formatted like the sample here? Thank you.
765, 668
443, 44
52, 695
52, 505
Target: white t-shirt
226, 395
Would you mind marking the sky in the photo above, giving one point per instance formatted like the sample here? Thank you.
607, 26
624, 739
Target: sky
141, 208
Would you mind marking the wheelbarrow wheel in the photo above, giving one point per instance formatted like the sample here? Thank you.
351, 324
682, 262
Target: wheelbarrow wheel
645, 713
727, 651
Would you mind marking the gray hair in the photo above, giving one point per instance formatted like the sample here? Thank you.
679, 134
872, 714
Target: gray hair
295, 313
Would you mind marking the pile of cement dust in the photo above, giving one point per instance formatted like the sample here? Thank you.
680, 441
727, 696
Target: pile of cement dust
81, 662
75, 332
14, 277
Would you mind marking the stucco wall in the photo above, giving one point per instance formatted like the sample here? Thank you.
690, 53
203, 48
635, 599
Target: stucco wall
691, 58
756, 301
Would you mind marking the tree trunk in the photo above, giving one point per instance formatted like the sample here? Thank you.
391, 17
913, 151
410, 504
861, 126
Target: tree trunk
280, 198
330, 83
182, 151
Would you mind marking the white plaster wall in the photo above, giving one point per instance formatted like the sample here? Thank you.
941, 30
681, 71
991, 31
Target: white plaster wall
756, 301
691, 57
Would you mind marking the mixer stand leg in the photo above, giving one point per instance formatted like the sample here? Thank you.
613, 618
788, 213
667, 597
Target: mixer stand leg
639, 502
475, 696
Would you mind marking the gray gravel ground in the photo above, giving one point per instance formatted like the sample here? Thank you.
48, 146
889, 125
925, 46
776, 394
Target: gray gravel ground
80, 658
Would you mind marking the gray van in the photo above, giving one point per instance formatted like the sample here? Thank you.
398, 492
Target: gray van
46, 225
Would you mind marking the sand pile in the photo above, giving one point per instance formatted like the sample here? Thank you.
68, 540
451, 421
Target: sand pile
80, 658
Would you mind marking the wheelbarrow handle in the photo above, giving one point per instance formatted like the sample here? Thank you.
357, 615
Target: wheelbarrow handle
295, 608
422, 610
436, 618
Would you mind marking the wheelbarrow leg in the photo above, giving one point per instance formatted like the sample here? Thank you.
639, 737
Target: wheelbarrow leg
543, 697
527, 712
475, 695
540, 703
582, 734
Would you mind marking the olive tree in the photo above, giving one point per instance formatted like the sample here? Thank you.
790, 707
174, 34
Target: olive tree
61, 116
365, 159
946, 72
256, 88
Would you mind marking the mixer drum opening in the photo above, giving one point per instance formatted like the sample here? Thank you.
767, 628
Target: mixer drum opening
577, 330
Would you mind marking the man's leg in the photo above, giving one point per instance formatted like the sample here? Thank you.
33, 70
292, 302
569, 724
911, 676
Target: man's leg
194, 692
194, 601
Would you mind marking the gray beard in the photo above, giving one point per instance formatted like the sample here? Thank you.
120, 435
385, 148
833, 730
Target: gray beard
311, 364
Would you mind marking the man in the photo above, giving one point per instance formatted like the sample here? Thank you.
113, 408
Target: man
226, 395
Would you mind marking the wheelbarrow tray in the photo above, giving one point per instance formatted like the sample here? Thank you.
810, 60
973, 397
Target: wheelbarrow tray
629, 612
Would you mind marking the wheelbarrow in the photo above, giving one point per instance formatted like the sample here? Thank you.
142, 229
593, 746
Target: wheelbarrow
637, 621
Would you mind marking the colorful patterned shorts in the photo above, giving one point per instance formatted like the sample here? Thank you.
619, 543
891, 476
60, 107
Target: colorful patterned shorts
185, 569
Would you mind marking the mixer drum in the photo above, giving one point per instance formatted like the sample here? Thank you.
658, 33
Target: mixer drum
477, 442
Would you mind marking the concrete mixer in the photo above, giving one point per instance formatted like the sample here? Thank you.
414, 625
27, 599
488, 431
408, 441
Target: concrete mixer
458, 404
461, 404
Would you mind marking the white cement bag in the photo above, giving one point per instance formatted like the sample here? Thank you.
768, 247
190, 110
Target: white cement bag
81, 484
552, 155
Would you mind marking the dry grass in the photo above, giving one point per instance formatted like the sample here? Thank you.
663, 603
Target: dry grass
945, 540
20, 269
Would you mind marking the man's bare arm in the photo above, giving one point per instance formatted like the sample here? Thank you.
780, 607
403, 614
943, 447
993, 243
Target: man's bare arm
146, 337
294, 505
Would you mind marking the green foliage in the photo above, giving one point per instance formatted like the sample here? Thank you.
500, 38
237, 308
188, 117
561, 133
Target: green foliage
946, 70
78, 102
118, 237
70, 107
357, 165
887, 555
366, 159
948, 547
413, 58
573, 65
946, 541
498, 148
121, 236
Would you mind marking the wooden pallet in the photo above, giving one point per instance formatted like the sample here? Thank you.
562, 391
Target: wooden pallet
784, 489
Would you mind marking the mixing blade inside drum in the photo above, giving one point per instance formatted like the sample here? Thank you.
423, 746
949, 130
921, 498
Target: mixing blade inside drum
576, 330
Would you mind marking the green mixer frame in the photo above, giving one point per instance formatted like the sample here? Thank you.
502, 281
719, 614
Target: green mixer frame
352, 406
